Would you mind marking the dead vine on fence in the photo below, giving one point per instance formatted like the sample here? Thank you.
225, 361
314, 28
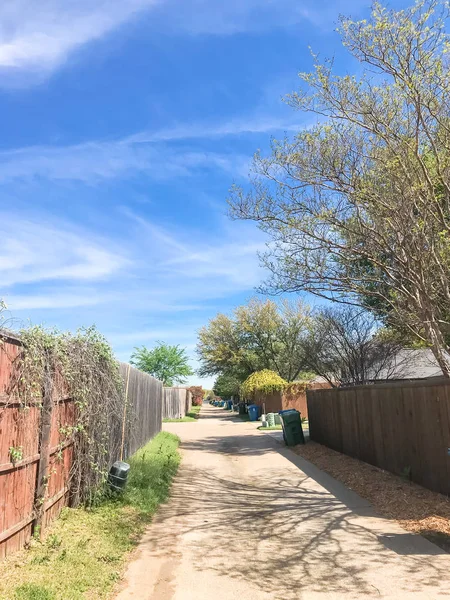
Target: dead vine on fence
80, 366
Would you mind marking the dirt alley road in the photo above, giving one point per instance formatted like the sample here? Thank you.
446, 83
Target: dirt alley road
248, 520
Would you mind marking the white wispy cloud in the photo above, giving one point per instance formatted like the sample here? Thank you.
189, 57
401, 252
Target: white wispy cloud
149, 152
233, 127
231, 257
45, 263
179, 335
156, 286
32, 250
96, 161
216, 17
220, 261
54, 300
39, 37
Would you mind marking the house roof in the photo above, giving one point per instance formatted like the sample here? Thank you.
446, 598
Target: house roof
411, 363
9, 335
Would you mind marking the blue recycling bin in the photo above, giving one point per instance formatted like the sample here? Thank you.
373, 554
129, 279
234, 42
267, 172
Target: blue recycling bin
230, 404
253, 412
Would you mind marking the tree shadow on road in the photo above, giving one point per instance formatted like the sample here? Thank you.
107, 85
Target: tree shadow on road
281, 533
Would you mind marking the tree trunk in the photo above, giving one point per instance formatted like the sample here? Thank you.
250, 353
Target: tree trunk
44, 454
438, 346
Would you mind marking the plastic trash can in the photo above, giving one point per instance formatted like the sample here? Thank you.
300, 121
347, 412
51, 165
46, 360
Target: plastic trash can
253, 412
280, 412
292, 427
270, 419
230, 404
118, 475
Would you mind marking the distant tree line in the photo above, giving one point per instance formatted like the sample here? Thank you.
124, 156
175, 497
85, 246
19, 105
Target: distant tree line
344, 345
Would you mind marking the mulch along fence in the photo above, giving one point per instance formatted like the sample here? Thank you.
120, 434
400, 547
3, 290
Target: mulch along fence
401, 427
36, 458
177, 402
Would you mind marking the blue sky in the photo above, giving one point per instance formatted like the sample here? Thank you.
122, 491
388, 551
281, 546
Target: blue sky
124, 123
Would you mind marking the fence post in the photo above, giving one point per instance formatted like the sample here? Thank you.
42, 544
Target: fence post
44, 454
124, 418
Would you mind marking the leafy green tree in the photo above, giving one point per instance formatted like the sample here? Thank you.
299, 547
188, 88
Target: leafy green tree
357, 206
226, 386
169, 364
259, 335
221, 349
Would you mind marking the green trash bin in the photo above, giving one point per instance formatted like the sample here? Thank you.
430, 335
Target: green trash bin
292, 427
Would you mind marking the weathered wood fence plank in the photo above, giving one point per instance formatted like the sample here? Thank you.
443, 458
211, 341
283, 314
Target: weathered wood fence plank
402, 427
35, 487
177, 402
144, 411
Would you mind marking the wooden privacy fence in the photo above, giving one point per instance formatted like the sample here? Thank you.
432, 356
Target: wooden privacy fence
402, 427
177, 402
294, 396
36, 455
143, 410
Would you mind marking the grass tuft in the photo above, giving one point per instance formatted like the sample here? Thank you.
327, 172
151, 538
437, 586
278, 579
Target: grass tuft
85, 552
29, 591
152, 470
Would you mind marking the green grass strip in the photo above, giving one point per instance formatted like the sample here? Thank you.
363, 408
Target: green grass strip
191, 416
86, 550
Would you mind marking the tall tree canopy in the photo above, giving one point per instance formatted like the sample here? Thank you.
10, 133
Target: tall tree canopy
226, 386
169, 364
259, 335
358, 205
346, 347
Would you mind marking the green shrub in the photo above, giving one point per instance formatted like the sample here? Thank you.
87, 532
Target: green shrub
265, 381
